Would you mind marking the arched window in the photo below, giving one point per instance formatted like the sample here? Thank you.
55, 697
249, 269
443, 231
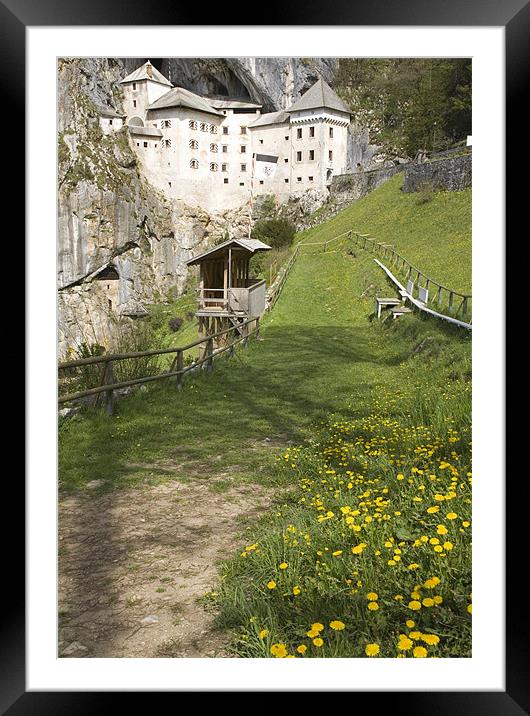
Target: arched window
194, 144
193, 124
194, 164
166, 143
204, 127
213, 148
213, 128
166, 123
213, 167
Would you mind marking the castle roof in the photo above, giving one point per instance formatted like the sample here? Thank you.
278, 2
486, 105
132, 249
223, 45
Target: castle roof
145, 131
280, 117
180, 97
319, 95
146, 72
227, 103
251, 245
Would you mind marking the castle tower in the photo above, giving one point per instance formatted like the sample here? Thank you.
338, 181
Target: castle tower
319, 137
141, 88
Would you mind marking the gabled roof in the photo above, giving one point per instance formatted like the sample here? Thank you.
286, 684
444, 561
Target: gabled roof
180, 97
319, 95
226, 103
146, 72
145, 131
251, 245
280, 117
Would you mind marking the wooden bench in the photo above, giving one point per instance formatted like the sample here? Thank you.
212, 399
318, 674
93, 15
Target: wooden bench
381, 303
400, 310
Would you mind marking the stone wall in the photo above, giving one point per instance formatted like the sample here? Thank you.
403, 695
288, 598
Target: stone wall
346, 188
451, 174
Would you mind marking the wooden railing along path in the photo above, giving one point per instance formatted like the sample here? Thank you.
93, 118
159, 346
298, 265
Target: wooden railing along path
178, 370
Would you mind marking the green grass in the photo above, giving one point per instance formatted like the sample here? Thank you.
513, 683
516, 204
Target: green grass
435, 236
329, 409
319, 355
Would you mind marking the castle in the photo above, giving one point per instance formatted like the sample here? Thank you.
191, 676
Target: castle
206, 150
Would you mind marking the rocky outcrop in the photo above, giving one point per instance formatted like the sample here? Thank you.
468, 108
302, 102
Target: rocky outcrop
441, 174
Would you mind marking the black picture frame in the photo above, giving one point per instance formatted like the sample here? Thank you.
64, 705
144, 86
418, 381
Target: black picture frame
514, 15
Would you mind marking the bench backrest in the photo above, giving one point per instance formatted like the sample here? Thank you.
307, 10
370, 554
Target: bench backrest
410, 287
423, 294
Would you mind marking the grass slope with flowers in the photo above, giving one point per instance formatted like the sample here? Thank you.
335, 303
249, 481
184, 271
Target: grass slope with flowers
367, 551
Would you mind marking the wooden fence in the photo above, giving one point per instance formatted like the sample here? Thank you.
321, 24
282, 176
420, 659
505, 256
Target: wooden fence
456, 303
178, 370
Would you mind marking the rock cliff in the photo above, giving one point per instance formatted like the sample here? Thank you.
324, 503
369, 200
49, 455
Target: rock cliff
108, 214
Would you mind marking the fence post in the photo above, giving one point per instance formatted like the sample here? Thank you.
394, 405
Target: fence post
245, 332
464, 306
109, 394
439, 296
209, 355
451, 294
257, 328
180, 366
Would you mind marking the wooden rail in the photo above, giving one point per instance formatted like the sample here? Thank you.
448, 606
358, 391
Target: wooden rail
419, 304
419, 280
108, 385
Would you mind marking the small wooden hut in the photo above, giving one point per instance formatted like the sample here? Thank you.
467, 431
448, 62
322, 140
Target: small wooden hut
227, 295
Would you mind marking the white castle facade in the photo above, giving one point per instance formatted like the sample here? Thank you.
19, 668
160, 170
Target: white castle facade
203, 150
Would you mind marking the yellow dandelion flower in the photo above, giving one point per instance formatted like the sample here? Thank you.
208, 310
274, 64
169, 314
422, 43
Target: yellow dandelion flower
431, 639
337, 625
373, 606
301, 649
263, 633
283, 565
438, 599
469, 608
271, 584
372, 596
279, 651
419, 652
372, 649
337, 553
414, 605
296, 591
451, 515
431, 583
410, 623
433, 509
404, 643
428, 602
317, 626
441, 530
358, 548
416, 635
318, 641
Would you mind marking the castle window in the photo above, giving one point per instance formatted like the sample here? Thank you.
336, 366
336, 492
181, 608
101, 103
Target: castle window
299, 133
225, 148
286, 181
225, 130
137, 144
241, 183
286, 160
311, 131
194, 144
134, 103
192, 124
213, 128
204, 127
311, 155
166, 143
243, 167
169, 184
310, 178
298, 178
286, 139
134, 85
330, 155
331, 132
225, 180
213, 167
156, 145
243, 130
298, 156
243, 149
261, 141
224, 167
194, 164
261, 181
145, 144
213, 148
166, 123
110, 121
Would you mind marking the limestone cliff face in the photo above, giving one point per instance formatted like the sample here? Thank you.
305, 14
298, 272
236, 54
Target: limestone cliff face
108, 214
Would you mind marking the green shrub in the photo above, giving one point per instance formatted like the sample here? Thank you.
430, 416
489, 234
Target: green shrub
275, 232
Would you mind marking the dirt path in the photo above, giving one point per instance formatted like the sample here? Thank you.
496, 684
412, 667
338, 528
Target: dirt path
132, 563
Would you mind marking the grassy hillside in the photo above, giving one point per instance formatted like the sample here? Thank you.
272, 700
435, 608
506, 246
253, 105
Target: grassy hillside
432, 231
362, 432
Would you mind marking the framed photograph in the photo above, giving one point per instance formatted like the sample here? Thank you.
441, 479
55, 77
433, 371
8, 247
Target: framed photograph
252, 258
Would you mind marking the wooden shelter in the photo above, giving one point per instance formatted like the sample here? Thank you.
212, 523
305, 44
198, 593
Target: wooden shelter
227, 294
